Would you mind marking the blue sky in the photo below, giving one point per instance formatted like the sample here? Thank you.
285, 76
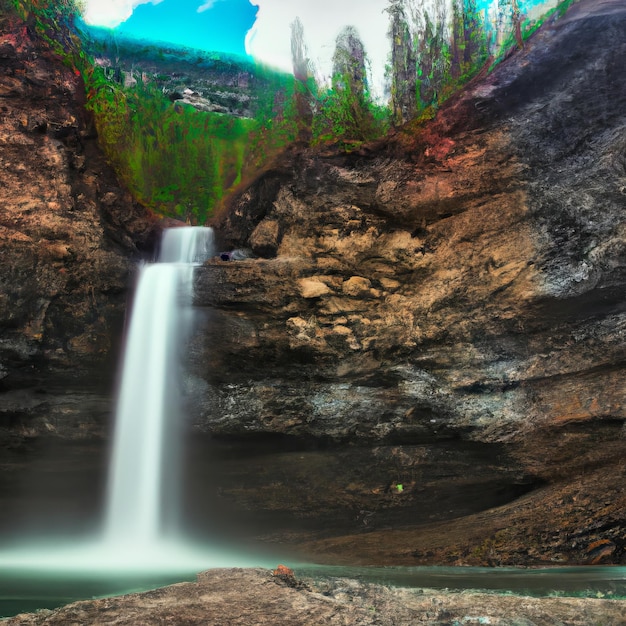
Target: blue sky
262, 27
221, 26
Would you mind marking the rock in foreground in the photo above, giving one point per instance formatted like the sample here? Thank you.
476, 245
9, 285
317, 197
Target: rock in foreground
257, 597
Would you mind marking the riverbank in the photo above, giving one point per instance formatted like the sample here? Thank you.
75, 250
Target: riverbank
256, 597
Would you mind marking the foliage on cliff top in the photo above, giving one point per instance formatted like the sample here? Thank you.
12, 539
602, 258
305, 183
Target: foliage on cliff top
53, 19
181, 161
176, 159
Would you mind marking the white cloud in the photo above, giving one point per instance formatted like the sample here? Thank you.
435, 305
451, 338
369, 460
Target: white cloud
111, 13
269, 38
207, 5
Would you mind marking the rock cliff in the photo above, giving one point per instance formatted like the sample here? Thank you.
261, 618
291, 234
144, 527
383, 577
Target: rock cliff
446, 304
69, 233
463, 279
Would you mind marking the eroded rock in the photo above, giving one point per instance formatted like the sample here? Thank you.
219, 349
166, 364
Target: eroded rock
478, 265
69, 237
257, 597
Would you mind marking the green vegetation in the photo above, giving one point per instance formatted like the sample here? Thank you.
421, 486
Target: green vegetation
433, 54
439, 47
49, 12
181, 161
174, 158
53, 20
346, 111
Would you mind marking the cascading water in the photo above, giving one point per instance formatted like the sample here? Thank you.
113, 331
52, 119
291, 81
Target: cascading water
148, 397
135, 548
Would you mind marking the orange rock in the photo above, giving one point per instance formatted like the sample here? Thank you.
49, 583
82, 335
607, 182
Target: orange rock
284, 572
599, 551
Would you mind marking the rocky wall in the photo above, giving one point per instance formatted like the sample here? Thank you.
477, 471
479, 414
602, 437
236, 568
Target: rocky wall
69, 238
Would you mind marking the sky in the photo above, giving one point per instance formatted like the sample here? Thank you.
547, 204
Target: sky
261, 28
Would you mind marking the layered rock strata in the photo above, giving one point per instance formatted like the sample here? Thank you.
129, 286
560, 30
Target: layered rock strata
68, 237
464, 279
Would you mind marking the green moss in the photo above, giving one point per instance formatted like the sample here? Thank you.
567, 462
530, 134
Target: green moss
175, 159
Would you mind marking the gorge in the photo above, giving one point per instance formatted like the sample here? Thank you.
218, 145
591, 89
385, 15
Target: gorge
429, 339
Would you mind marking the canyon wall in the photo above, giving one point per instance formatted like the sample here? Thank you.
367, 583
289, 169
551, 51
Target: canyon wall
464, 278
70, 236
459, 284
460, 280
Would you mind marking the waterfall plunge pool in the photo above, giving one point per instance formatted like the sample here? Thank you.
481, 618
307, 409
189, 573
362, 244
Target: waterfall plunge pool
155, 514
248, 504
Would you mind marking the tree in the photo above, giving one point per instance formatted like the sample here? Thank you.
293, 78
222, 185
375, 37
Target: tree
476, 48
468, 45
303, 75
509, 19
347, 111
349, 63
403, 65
299, 58
433, 56
517, 23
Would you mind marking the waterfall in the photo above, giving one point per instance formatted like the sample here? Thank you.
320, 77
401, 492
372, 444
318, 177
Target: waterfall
148, 403
138, 546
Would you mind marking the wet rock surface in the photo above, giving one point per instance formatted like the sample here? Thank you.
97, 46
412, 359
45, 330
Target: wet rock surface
69, 237
257, 597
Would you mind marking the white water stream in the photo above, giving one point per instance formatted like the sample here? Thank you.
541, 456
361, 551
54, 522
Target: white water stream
144, 467
148, 402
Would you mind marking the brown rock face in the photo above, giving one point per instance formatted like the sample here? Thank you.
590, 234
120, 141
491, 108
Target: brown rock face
265, 238
475, 268
67, 234
464, 279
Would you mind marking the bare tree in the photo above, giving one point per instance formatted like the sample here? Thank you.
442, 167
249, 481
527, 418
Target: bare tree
299, 52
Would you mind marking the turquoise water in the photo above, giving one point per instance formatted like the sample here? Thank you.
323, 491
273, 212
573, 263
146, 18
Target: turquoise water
47, 576
25, 589
586, 581
26, 592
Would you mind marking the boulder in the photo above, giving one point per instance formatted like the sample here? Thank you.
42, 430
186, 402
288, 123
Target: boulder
265, 238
